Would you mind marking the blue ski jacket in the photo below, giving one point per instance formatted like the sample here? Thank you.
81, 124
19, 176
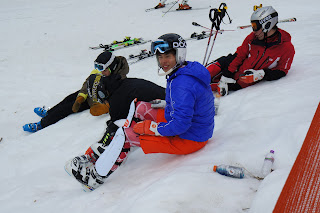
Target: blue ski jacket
189, 104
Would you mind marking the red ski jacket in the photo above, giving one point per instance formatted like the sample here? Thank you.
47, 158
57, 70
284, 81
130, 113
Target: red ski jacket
274, 56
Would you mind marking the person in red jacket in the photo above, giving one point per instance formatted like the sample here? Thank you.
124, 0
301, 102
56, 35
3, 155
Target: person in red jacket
265, 54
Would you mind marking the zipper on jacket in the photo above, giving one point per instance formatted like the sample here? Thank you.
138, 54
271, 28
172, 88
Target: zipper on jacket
260, 58
265, 62
257, 56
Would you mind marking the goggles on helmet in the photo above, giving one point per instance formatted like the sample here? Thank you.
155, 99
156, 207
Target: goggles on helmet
256, 25
161, 46
101, 67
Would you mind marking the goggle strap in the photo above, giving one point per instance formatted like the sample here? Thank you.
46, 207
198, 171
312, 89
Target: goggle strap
107, 64
111, 60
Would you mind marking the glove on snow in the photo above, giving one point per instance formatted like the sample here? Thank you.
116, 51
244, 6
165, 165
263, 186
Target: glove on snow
146, 127
251, 76
158, 103
77, 103
99, 109
223, 85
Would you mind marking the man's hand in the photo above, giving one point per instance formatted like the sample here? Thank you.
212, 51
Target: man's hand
251, 76
223, 85
158, 103
79, 100
146, 127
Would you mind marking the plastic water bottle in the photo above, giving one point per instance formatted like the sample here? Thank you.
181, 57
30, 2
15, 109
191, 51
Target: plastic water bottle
267, 164
230, 171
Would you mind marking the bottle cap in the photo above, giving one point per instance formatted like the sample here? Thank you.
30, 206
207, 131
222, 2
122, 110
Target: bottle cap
271, 151
214, 168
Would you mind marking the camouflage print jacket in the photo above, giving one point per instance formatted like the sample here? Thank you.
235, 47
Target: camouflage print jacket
122, 69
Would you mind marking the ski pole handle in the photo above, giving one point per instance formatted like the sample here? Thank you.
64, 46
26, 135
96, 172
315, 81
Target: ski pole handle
196, 24
222, 10
212, 17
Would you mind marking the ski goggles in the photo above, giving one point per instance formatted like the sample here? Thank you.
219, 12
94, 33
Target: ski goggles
161, 46
101, 67
256, 25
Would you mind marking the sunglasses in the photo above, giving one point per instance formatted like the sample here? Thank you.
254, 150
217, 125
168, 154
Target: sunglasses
101, 67
161, 46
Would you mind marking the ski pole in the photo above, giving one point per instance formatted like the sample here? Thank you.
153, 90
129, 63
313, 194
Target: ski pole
219, 14
216, 20
215, 36
170, 8
205, 55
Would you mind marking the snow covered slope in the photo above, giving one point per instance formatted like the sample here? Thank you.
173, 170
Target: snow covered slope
44, 56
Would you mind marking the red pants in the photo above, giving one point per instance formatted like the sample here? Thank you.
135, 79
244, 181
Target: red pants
216, 73
170, 145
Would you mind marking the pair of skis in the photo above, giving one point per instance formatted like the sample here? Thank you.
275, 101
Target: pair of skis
173, 3
121, 44
132, 59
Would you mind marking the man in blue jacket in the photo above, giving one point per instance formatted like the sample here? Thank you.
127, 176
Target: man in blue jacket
187, 120
181, 124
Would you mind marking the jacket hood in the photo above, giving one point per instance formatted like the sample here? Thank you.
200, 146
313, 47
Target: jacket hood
194, 69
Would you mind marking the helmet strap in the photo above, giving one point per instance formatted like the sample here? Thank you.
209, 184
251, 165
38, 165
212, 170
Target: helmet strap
173, 69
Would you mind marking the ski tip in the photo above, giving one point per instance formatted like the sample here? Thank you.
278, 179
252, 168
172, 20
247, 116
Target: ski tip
87, 188
67, 168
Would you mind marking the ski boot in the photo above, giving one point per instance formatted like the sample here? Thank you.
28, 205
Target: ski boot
96, 149
85, 172
32, 127
41, 111
159, 6
184, 7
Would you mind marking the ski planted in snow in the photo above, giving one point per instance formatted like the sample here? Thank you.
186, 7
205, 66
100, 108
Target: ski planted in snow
121, 44
280, 21
154, 8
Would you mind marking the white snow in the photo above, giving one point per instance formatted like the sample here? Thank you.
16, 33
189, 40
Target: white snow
44, 56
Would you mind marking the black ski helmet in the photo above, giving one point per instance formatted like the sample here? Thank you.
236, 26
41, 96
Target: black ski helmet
264, 18
105, 60
171, 41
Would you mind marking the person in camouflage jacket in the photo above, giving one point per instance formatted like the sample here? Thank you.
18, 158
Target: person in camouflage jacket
106, 64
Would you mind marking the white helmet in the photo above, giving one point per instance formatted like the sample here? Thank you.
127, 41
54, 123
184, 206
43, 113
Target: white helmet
265, 18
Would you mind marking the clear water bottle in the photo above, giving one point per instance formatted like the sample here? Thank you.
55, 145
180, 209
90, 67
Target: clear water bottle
267, 164
230, 171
